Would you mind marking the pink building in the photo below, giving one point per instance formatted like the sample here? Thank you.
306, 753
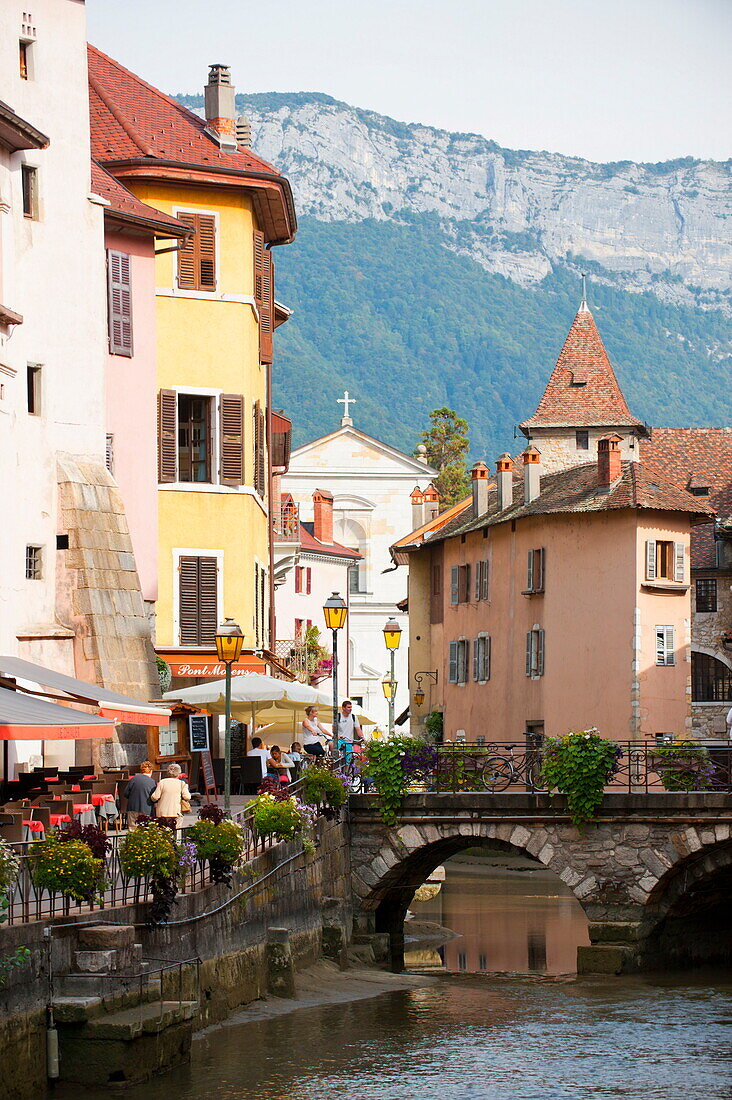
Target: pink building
131, 228
560, 598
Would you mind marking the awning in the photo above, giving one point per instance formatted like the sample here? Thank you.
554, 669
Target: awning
24, 718
110, 703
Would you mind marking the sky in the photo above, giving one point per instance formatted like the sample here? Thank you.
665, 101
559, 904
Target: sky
643, 80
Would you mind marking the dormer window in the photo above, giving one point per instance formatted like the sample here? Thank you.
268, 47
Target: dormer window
698, 485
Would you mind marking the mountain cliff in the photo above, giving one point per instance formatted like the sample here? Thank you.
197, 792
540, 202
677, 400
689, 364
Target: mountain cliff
439, 267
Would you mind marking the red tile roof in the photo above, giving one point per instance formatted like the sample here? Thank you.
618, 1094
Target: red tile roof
126, 207
583, 389
311, 545
137, 130
577, 490
700, 457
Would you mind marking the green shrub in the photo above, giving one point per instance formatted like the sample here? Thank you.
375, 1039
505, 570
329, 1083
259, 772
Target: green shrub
284, 818
321, 785
223, 842
66, 868
149, 851
578, 766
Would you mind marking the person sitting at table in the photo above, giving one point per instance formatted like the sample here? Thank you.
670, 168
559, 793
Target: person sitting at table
260, 750
169, 792
138, 793
276, 765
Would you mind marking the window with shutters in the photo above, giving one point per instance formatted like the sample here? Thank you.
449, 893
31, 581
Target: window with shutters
535, 570
308, 580
195, 438
463, 595
119, 303
29, 187
197, 600
665, 561
481, 659
706, 594
264, 296
462, 660
452, 663
231, 439
260, 454
197, 255
665, 646
535, 653
481, 580
298, 578
454, 584
711, 681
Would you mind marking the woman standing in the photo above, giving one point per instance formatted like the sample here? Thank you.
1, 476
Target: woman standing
170, 792
312, 731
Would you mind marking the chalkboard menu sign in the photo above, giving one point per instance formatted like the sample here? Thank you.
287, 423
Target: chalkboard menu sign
209, 780
198, 732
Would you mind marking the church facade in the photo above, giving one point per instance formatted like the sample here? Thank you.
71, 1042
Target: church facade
371, 484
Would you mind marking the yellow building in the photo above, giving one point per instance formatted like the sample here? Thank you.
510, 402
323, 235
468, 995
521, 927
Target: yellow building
215, 323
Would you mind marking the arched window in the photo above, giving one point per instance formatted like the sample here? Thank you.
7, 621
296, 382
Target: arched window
711, 681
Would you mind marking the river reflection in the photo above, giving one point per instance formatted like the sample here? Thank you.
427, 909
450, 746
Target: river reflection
510, 916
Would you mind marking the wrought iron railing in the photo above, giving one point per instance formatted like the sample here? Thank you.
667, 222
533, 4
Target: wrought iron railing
286, 523
305, 660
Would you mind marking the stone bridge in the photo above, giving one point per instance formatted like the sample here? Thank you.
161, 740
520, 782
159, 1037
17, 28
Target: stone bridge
653, 874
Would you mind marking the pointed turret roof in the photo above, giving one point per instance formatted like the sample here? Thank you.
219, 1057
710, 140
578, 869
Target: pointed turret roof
583, 390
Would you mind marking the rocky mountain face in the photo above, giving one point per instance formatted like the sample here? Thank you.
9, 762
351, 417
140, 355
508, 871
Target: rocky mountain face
658, 227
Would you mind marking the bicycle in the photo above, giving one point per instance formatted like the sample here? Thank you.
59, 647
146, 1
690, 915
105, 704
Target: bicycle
499, 772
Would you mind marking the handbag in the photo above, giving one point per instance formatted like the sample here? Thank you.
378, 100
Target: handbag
185, 806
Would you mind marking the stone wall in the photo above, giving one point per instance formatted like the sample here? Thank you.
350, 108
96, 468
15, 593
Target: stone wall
227, 929
708, 628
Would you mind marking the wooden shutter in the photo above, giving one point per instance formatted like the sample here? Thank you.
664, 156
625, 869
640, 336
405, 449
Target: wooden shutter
452, 670
529, 651
188, 601
476, 660
484, 591
679, 562
539, 652
167, 436
650, 559
207, 601
120, 303
231, 424
266, 315
308, 580
478, 575
462, 661
256, 603
259, 450
258, 266
464, 584
539, 567
454, 584
187, 254
487, 675
263, 602
206, 251
530, 572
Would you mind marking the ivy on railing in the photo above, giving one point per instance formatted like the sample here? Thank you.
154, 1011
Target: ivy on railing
579, 765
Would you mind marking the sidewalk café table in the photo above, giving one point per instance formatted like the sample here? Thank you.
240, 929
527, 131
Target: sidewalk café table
60, 819
106, 805
33, 830
84, 813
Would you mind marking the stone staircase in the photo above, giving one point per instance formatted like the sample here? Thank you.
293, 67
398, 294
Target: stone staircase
118, 1021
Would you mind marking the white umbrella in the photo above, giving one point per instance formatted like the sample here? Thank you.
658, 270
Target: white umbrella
252, 688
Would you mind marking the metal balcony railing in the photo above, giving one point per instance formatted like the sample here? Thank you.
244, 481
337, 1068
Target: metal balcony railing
286, 524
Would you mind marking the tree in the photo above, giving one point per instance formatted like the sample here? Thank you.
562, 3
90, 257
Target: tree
447, 445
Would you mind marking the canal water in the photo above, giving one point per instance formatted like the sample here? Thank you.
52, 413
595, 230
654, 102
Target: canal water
500, 1017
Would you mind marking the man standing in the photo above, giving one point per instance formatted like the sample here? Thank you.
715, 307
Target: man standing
138, 792
349, 730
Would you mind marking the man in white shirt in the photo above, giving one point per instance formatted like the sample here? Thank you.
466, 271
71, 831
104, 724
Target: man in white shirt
349, 730
257, 749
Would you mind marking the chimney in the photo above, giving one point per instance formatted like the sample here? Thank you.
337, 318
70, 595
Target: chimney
417, 500
504, 477
431, 503
220, 106
609, 466
532, 473
323, 515
244, 132
479, 485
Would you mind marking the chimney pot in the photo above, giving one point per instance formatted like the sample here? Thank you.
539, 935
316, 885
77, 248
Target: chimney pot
479, 484
244, 132
504, 477
417, 498
219, 99
609, 460
431, 503
532, 473
323, 515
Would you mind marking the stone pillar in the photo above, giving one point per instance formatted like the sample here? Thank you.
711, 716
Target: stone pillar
280, 968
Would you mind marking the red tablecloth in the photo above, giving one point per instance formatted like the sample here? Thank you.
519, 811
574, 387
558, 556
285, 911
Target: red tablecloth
79, 807
60, 819
98, 799
35, 826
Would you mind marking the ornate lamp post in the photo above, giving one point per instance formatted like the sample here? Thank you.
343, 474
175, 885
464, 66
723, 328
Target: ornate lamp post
229, 641
392, 638
335, 612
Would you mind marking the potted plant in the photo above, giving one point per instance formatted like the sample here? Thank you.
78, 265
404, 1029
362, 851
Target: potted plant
219, 840
324, 788
579, 766
285, 818
66, 867
149, 851
683, 766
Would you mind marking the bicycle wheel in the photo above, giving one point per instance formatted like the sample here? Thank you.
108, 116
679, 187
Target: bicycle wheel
534, 780
497, 774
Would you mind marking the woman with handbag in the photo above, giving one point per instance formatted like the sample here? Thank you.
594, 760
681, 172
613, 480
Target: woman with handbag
172, 797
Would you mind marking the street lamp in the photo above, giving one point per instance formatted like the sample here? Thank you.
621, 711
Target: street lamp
229, 640
392, 638
419, 690
335, 611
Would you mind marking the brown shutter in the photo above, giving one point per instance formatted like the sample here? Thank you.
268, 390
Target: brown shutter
187, 254
167, 436
120, 303
206, 252
258, 265
259, 450
266, 313
207, 603
231, 416
188, 601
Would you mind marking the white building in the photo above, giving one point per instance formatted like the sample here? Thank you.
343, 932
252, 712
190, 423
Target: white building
371, 484
65, 541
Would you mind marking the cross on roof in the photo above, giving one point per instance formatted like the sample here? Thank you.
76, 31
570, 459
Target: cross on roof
345, 401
